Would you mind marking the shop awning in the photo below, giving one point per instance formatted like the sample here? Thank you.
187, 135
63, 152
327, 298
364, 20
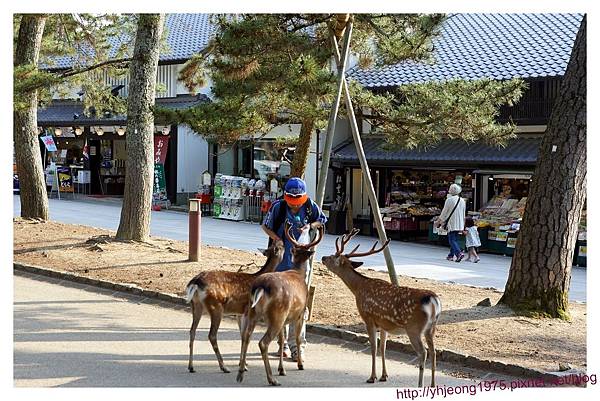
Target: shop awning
70, 112
519, 152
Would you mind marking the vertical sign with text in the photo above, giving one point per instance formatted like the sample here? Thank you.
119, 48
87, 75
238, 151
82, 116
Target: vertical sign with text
161, 144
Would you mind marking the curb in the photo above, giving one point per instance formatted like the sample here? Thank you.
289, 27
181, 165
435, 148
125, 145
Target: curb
315, 328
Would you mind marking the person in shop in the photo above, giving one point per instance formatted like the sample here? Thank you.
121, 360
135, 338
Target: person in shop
472, 241
452, 219
303, 214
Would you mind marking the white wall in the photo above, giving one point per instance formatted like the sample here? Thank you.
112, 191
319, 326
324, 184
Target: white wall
192, 159
166, 77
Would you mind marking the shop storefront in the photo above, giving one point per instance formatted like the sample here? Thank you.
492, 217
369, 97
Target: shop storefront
93, 148
95, 157
413, 197
412, 186
249, 176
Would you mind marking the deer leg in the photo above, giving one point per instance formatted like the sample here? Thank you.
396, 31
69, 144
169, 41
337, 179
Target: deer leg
417, 344
216, 314
382, 343
429, 338
275, 326
196, 315
372, 331
298, 336
250, 322
281, 369
240, 322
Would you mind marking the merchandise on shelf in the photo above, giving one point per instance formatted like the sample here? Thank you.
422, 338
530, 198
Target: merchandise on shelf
501, 214
420, 195
229, 201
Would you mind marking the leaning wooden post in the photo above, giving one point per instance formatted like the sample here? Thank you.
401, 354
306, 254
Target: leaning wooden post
365, 170
326, 155
329, 142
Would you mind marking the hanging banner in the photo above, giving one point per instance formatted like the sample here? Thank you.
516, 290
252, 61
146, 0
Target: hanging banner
160, 184
161, 144
49, 143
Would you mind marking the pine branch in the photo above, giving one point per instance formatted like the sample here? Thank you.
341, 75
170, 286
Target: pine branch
72, 72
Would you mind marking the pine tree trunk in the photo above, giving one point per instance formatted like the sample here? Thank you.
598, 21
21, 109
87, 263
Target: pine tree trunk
540, 273
32, 186
302, 149
137, 200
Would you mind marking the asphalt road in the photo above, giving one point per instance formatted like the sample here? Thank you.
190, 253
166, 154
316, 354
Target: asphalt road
410, 259
71, 335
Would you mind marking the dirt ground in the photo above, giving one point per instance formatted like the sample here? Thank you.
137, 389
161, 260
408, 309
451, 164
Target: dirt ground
486, 332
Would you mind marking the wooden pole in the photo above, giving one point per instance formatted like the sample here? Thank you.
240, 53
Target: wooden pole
333, 115
365, 170
329, 140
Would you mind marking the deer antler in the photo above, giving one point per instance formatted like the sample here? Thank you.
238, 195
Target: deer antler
353, 253
295, 243
345, 239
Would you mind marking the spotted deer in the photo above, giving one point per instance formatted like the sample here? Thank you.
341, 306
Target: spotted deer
388, 308
222, 292
279, 298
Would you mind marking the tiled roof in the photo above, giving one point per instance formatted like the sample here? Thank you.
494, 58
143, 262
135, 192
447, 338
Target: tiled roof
187, 34
62, 112
520, 151
497, 46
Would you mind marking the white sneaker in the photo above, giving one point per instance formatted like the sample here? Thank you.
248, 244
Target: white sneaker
295, 355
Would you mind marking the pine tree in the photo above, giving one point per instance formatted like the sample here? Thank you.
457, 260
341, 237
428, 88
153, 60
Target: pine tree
40, 39
271, 69
137, 200
540, 272
34, 200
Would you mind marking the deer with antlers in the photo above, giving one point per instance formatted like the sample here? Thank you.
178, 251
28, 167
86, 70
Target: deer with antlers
279, 298
388, 308
222, 292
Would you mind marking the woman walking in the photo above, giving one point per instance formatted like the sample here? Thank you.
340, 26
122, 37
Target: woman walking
452, 220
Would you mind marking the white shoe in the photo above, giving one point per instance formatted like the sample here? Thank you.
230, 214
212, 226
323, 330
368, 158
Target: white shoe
295, 355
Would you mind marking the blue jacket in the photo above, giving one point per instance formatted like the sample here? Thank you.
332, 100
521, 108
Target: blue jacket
297, 221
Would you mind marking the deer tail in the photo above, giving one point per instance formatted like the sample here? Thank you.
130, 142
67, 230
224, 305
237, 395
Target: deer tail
256, 296
190, 291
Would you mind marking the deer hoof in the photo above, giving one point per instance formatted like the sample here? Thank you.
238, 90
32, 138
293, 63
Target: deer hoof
371, 380
191, 370
300, 367
225, 370
274, 382
282, 372
240, 376
383, 378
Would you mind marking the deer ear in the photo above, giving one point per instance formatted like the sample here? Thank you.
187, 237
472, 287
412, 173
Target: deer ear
263, 251
356, 265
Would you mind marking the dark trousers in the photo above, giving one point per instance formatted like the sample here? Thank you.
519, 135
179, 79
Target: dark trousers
454, 246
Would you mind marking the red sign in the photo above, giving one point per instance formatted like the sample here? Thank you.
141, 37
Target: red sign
161, 144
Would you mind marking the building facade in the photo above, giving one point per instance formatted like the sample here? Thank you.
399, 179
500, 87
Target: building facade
411, 184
